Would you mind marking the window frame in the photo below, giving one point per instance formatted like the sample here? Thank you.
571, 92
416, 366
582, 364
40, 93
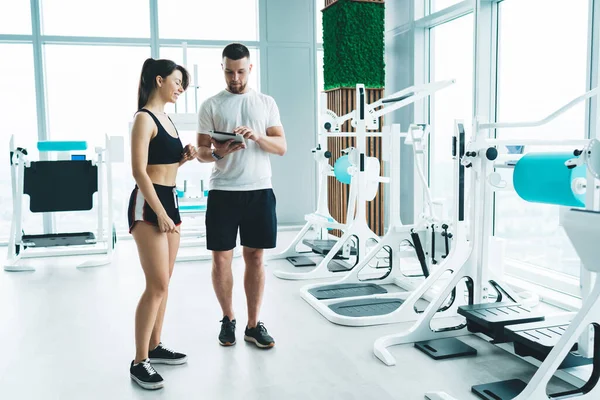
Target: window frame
557, 288
154, 41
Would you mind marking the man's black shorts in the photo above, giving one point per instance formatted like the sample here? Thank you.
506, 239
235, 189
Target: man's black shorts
252, 211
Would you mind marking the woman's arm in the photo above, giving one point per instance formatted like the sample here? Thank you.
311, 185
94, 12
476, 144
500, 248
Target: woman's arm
189, 153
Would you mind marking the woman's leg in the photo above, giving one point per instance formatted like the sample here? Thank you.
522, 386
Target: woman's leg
153, 249
173, 239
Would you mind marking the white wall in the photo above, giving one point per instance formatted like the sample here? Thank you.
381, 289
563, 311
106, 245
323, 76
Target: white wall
288, 73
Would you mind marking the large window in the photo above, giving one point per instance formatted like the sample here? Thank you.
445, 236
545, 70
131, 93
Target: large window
91, 18
91, 92
90, 88
539, 70
451, 58
17, 100
18, 20
437, 5
208, 19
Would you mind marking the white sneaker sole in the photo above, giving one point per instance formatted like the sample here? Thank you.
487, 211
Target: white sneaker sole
178, 361
148, 385
262, 346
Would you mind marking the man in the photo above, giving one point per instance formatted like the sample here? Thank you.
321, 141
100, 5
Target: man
241, 194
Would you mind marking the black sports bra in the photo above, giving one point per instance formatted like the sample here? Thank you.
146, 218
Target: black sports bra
163, 148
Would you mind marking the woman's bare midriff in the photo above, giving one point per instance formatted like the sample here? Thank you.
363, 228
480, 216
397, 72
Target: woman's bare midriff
163, 174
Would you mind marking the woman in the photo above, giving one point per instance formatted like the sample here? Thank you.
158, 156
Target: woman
156, 155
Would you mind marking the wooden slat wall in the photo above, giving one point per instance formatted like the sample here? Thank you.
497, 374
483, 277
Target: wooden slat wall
342, 101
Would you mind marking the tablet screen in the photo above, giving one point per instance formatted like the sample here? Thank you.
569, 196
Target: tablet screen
225, 136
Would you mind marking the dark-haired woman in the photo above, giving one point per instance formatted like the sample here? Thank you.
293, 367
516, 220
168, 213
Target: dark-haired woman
156, 155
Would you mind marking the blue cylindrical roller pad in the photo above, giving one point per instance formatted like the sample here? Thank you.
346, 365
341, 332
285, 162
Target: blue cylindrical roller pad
544, 178
57, 145
340, 169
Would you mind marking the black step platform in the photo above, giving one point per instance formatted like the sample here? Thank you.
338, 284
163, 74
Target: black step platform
491, 318
440, 349
346, 290
366, 307
301, 261
371, 307
59, 239
325, 246
504, 390
536, 339
333, 266
339, 266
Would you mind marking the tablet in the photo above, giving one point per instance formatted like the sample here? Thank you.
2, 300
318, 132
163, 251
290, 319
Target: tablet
225, 136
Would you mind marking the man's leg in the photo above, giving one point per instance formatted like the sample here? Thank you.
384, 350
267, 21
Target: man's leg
258, 231
222, 220
222, 279
254, 283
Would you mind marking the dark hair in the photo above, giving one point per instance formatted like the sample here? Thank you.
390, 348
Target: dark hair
235, 51
150, 70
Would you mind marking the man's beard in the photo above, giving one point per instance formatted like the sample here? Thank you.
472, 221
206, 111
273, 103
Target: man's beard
237, 88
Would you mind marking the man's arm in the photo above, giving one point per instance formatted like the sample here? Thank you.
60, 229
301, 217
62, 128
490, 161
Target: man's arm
205, 124
204, 150
274, 142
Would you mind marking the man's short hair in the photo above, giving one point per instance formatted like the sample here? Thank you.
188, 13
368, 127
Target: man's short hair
236, 51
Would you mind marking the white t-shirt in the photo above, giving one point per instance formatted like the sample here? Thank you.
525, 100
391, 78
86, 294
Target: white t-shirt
249, 168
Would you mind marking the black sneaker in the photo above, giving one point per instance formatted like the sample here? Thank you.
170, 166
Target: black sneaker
259, 336
145, 375
227, 334
164, 355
